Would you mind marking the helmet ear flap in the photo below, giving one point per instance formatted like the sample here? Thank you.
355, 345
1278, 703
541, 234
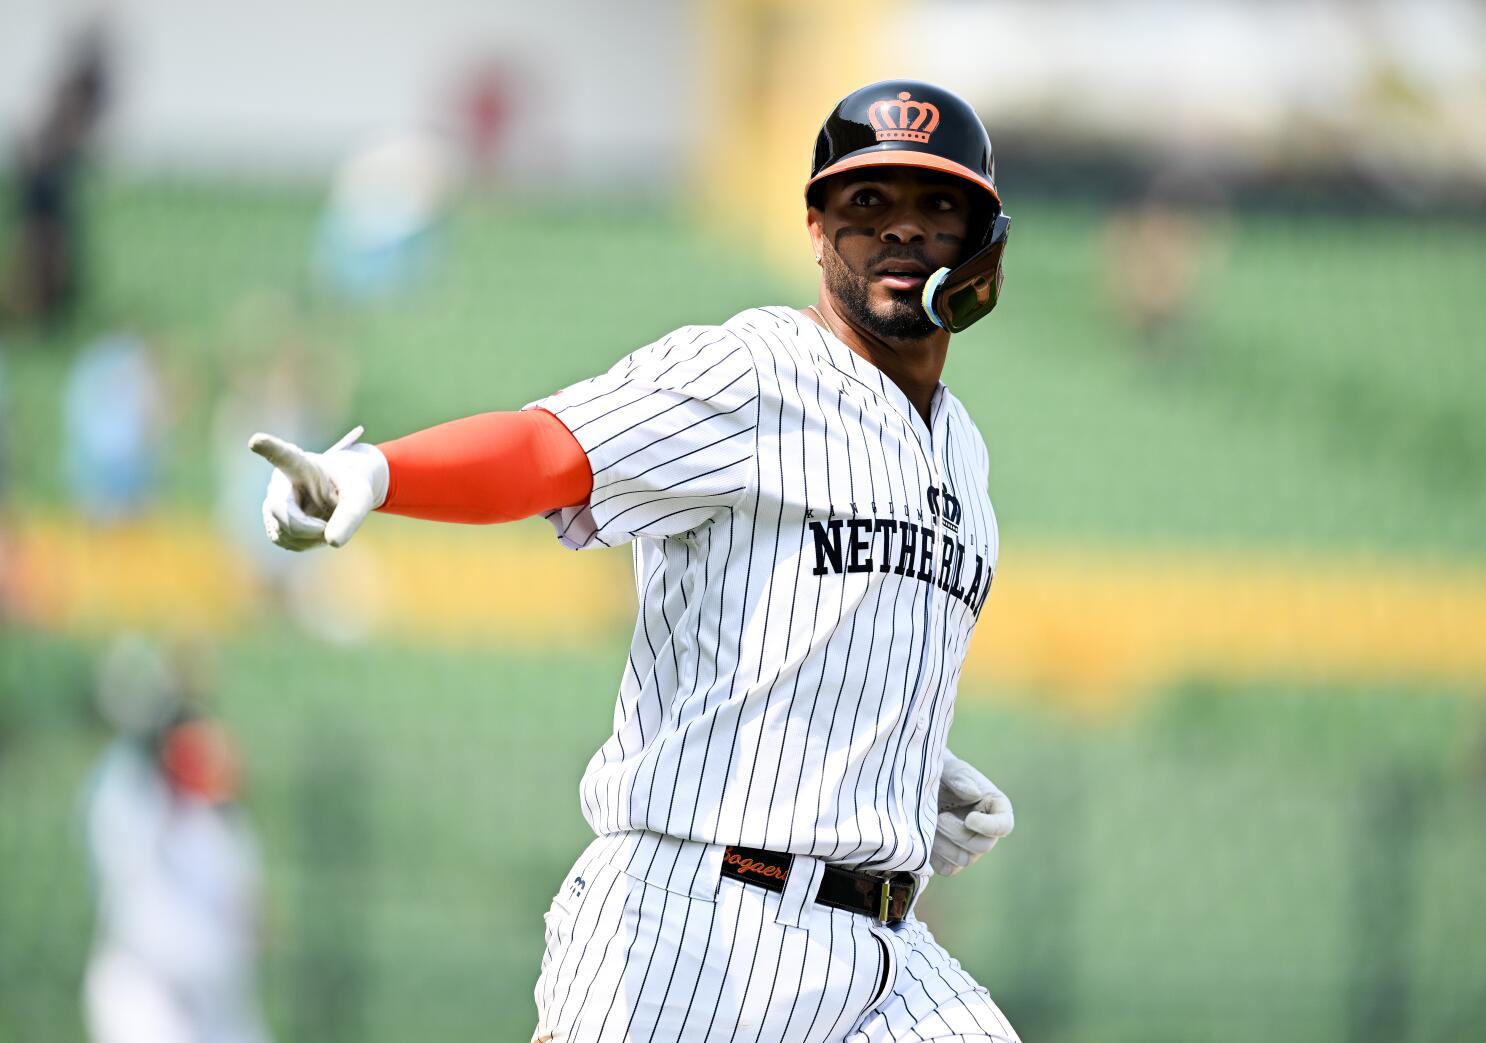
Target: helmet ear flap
954, 299
981, 228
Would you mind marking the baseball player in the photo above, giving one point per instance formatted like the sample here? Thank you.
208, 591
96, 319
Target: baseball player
813, 544
175, 867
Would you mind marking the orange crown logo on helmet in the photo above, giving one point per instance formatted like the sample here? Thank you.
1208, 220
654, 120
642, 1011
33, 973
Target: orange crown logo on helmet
903, 119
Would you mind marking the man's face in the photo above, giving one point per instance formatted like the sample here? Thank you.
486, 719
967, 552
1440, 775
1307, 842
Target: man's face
880, 233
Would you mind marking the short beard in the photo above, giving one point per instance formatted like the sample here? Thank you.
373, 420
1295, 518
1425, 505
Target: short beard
905, 318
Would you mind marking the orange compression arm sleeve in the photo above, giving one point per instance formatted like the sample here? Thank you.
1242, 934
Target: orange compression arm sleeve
493, 467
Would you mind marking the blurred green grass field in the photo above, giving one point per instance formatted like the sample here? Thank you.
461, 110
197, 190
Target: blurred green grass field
1228, 863
1219, 863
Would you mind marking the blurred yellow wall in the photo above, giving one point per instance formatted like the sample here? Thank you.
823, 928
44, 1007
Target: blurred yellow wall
770, 72
1093, 627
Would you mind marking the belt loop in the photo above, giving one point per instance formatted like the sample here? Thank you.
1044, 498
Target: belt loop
920, 881
709, 873
799, 890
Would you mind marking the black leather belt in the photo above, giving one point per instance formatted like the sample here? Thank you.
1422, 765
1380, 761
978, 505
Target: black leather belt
886, 898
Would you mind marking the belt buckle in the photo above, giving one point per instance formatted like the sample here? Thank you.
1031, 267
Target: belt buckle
885, 900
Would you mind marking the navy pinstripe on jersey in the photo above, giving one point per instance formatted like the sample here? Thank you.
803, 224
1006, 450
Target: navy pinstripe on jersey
811, 559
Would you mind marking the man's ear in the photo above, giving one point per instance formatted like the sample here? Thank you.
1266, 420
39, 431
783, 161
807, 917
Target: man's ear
817, 233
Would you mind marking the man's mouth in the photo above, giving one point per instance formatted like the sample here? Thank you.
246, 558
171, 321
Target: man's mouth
901, 273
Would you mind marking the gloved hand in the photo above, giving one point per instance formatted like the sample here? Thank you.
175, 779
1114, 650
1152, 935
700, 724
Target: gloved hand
973, 815
315, 499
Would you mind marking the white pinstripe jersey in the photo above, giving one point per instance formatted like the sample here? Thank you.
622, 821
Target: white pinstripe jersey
810, 559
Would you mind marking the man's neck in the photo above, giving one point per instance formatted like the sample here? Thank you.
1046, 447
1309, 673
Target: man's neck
913, 365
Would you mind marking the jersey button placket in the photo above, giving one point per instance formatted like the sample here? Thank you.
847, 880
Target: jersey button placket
925, 697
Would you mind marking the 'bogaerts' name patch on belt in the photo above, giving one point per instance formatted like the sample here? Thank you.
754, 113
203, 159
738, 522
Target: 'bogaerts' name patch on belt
749, 866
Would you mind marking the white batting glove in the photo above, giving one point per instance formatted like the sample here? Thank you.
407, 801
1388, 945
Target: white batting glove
315, 499
973, 815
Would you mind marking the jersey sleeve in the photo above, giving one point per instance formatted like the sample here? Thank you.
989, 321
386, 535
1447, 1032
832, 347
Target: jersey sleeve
670, 434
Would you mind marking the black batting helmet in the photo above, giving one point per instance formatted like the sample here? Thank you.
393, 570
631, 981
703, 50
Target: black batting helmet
905, 123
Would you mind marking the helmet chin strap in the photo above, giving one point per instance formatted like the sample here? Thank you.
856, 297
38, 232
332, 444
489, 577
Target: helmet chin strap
955, 298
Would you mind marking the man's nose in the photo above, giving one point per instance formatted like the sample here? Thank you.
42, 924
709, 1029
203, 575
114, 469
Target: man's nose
904, 225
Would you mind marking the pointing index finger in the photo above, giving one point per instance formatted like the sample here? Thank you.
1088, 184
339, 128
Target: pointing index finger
286, 456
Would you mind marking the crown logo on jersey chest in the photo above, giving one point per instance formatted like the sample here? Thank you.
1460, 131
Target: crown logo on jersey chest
903, 119
945, 507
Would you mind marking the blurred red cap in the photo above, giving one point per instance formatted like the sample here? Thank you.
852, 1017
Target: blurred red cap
200, 760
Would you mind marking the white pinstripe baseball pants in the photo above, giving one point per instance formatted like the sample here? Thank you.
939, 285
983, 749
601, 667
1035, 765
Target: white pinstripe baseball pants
646, 941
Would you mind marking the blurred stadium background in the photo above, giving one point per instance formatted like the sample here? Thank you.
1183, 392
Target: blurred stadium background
1233, 670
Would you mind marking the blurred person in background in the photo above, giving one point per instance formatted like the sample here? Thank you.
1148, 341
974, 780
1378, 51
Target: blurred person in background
4, 424
45, 269
277, 365
281, 364
174, 862
378, 234
1160, 249
7, 594
113, 427
485, 100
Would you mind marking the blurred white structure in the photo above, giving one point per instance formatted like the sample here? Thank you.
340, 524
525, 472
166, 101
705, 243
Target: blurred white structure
588, 93
1260, 82
598, 91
